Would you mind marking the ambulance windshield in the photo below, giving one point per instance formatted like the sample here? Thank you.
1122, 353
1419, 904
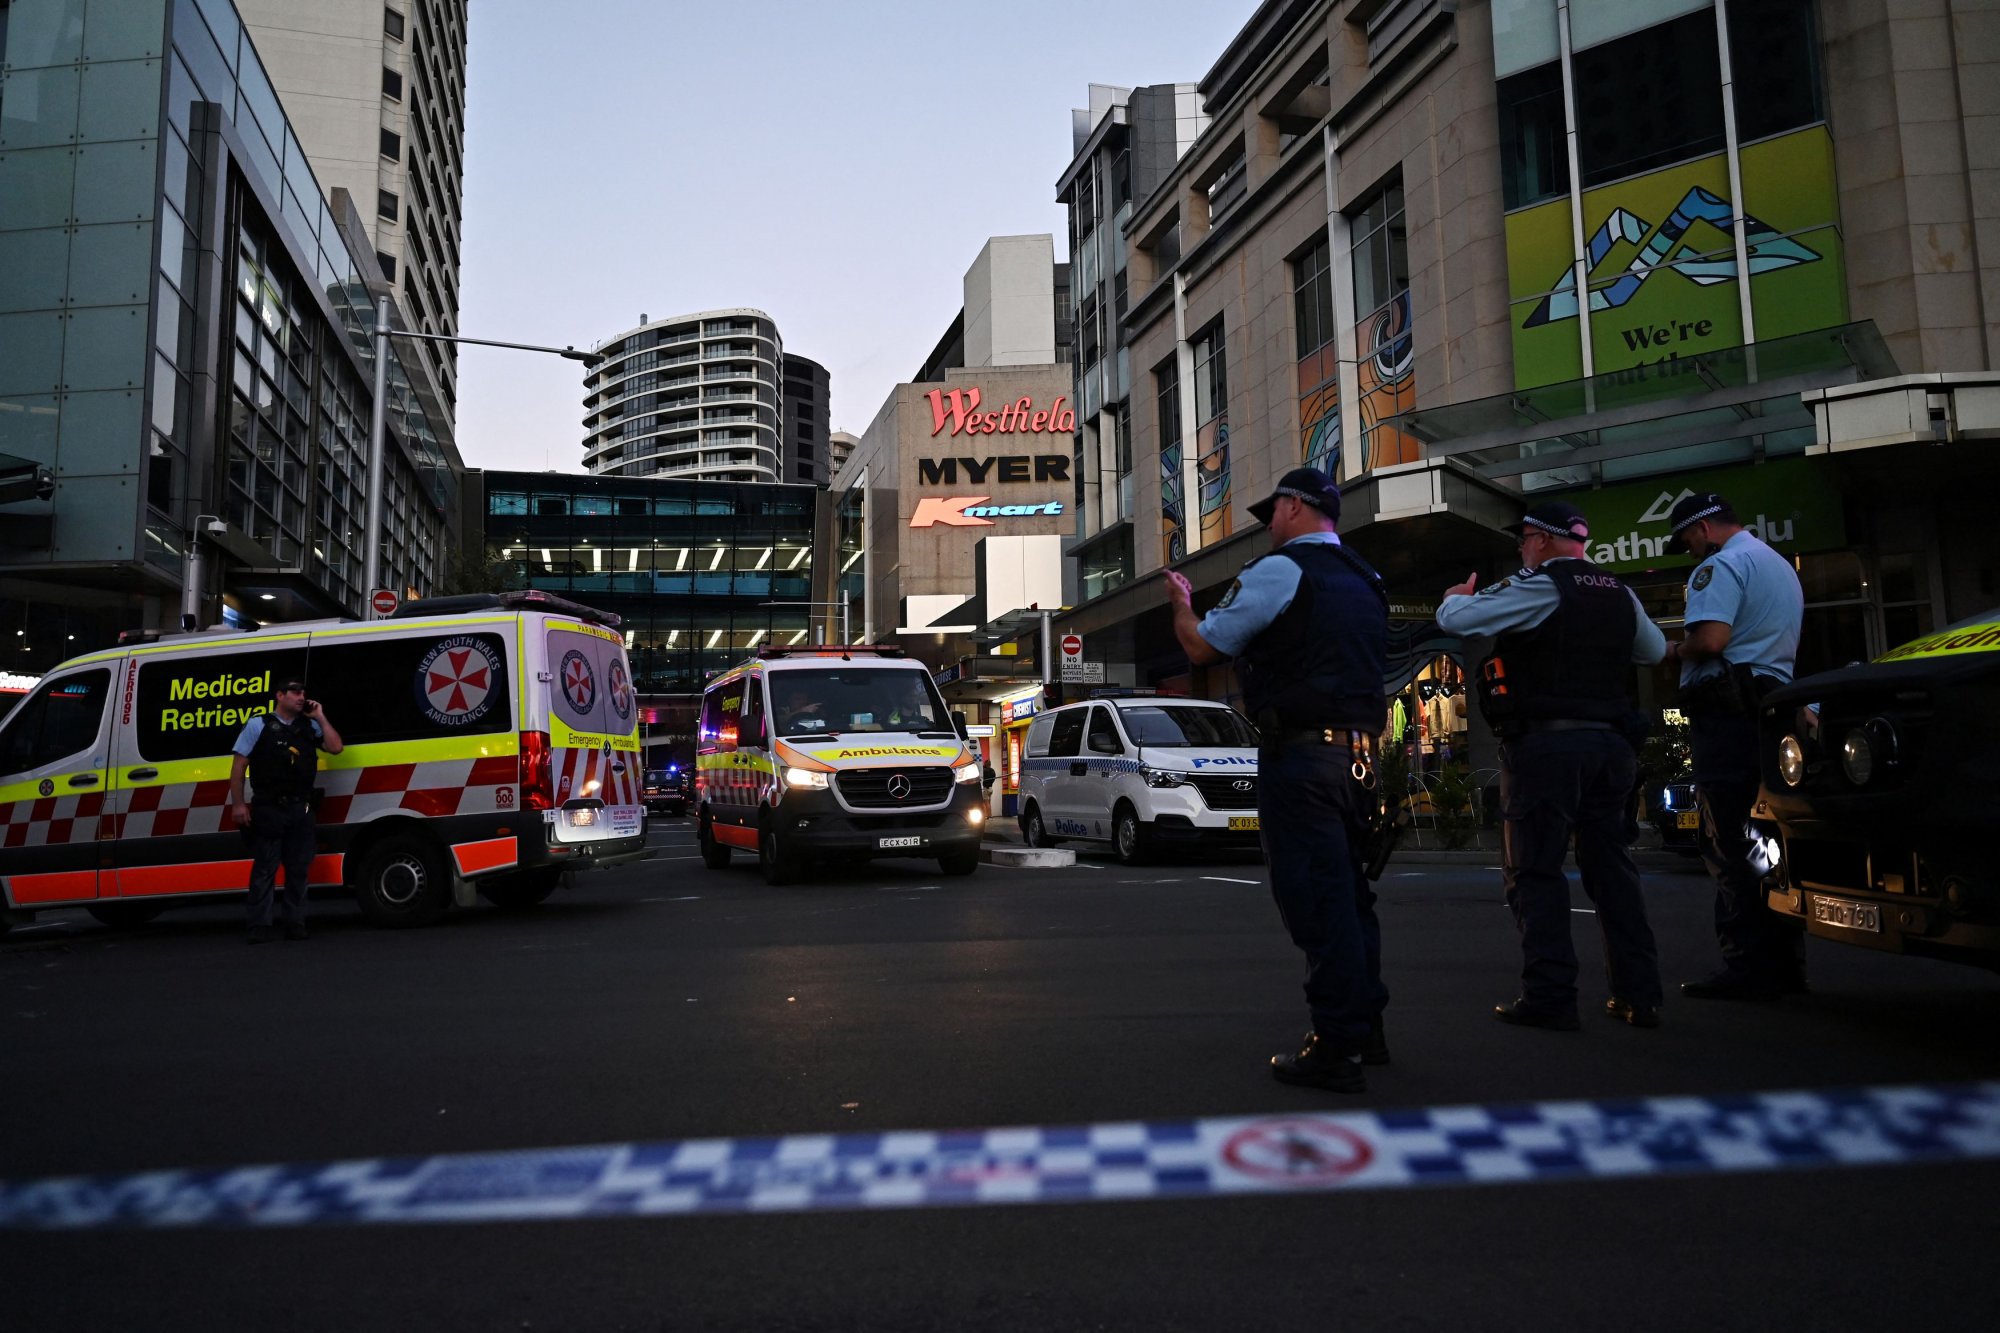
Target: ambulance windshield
832, 700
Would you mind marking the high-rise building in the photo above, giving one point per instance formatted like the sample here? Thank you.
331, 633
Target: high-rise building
376, 93
185, 349
839, 448
806, 422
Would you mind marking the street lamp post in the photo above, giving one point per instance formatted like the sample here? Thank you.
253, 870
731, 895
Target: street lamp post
371, 540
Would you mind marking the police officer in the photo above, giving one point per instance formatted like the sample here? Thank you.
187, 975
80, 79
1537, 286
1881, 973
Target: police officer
1308, 625
280, 752
1558, 692
1744, 611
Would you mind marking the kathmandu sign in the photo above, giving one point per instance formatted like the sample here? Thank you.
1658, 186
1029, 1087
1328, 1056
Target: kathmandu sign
959, 408
1788, 503
972, 511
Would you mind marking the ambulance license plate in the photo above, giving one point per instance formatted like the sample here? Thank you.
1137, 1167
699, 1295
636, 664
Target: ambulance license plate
1688, 819
1850, 915
1243, 824
884, 844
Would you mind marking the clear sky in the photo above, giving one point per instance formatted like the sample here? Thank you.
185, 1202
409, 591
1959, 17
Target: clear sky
836, 163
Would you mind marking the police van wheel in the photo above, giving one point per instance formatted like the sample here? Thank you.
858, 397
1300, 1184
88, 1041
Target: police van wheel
1128, 837
1034, 830
779, 864
714, 855
126, 916
402, 883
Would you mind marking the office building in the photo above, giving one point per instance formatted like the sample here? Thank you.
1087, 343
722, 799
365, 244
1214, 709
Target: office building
376, 93
806, 457
698, 397
185, 351
839, 448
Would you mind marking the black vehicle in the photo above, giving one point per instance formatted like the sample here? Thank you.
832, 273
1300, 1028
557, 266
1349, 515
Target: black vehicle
1671, 809
669, 790
1883, 782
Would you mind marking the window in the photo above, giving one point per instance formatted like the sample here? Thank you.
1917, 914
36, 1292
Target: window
1179, 724
387, 205
1774, 51
1318, 358
392, 84
1673, 70
1534, 156
1104, 732
59, 720
1381, 251
1211, 381
388, 264
1066, 733
1312, 298
392, 24
752, 723
1173, 514
1382, 333
392, 145
1229, 186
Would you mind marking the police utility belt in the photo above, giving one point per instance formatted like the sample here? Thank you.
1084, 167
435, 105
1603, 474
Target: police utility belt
1737, 691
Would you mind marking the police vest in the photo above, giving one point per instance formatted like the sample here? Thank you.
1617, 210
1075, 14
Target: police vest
1321, 662
284, 759
1577, 664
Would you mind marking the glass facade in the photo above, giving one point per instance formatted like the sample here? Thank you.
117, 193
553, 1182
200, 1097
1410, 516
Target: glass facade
692, 567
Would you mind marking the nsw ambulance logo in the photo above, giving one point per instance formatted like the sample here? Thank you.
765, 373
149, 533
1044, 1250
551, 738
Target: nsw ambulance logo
455, 682
579, 681
620, 693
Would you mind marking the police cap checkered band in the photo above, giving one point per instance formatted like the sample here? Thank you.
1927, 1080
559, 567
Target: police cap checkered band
1693, 509
1307, 486
1317, 499
1558, 518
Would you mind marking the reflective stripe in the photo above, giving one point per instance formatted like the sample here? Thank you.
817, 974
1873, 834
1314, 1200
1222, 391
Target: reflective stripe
730, 835
492, 854
212, 877
56, 886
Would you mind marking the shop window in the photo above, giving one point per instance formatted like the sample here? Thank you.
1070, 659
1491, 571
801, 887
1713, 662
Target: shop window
1649, 99
1774, 55
1534, 157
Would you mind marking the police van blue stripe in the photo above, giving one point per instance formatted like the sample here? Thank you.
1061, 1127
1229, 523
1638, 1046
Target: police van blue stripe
1460, 1145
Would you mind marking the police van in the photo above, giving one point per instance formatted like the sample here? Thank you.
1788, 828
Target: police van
1145, 773
829, 753
491, 742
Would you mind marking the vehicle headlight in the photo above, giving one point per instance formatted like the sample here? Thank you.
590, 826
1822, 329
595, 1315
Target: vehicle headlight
965, 773
1857, 757
805, 778
1666, 798
1791, 761
1163, 777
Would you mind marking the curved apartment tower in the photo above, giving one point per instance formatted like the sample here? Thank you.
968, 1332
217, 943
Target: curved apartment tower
696, 397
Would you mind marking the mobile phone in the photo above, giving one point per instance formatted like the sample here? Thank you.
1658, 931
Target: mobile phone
311, 705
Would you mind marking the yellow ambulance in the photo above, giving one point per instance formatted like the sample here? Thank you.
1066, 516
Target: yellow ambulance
492, 742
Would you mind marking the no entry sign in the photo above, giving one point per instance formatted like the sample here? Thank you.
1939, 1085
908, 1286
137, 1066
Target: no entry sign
1072, 645
384, 602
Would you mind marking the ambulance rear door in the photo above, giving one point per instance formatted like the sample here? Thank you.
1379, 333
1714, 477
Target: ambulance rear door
593, 734
55, 775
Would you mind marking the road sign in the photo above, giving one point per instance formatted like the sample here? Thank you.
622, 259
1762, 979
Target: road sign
1072, 647
1076, 671
384, 602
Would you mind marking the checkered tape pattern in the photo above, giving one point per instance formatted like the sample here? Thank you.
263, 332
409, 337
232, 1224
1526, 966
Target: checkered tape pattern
1465, 1145
617, 775
352, 795
51, 821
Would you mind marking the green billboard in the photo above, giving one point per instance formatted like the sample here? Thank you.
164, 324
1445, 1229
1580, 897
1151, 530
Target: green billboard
1788, 503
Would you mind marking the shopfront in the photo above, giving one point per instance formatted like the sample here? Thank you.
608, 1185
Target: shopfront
1014, 712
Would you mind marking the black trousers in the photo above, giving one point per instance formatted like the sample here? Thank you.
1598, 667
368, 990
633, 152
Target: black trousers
1756, 942
280, 835
1555, 785
1312, 843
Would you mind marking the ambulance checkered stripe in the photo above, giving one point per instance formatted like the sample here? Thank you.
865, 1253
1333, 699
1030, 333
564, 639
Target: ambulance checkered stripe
51, 821
614, 777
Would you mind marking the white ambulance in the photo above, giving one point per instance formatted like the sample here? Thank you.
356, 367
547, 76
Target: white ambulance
822, 752
1145, 773
491, 742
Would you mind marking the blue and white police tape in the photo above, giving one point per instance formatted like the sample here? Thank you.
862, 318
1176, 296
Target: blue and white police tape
1458, 1145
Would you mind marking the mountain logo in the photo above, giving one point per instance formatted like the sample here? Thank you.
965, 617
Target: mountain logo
1662, 509
1768, 250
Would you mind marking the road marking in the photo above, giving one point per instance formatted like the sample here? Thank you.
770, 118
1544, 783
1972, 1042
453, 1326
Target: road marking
1530, 1143
1224, 879
1584, 911
695, 857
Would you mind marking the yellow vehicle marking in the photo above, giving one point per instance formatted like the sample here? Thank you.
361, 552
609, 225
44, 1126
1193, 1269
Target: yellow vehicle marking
888, 752
420, 625
1983, 637
31, 789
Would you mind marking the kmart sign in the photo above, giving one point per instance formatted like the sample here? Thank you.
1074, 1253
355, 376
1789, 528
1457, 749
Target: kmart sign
1788, 503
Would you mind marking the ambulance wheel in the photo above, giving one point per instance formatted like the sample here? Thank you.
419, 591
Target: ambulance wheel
1128, 836
960, 863
714, 855
522, 889
126, 916
1034, 830
780, 864
402, 882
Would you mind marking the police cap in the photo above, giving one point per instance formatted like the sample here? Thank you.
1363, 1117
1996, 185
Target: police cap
1307, 485
1690, 510
1558, 518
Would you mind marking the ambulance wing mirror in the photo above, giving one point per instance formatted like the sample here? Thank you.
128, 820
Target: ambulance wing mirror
958, 723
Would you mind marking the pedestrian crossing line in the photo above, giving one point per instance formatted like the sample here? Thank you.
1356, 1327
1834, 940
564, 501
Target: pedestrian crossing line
1522, 1144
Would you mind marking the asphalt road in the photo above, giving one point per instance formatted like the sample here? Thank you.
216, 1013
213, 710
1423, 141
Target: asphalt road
667, 1001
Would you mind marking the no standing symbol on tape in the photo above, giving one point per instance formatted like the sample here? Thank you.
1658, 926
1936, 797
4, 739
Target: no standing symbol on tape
1297, 1152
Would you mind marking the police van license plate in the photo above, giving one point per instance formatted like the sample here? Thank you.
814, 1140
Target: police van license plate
884, 844
1688, 819
1243, 823
1840, 912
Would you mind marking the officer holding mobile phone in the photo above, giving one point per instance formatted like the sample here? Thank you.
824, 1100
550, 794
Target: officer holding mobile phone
279, 751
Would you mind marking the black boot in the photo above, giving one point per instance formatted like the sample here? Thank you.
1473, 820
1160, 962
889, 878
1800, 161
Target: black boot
1317, 1065
1521, 1014
1375, 1051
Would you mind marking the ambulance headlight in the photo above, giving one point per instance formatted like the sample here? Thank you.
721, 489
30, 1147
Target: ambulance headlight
965, 773
1163, 777
1791, 761
806, 779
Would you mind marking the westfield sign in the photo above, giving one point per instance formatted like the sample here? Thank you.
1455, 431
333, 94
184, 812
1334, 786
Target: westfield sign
959, 408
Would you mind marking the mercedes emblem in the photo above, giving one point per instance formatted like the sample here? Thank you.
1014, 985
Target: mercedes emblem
899, 787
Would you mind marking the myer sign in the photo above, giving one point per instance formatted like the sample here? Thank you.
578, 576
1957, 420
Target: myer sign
1787, 503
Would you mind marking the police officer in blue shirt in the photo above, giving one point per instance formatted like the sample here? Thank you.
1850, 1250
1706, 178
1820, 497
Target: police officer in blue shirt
1309, 627
1558, 692
1744, 611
